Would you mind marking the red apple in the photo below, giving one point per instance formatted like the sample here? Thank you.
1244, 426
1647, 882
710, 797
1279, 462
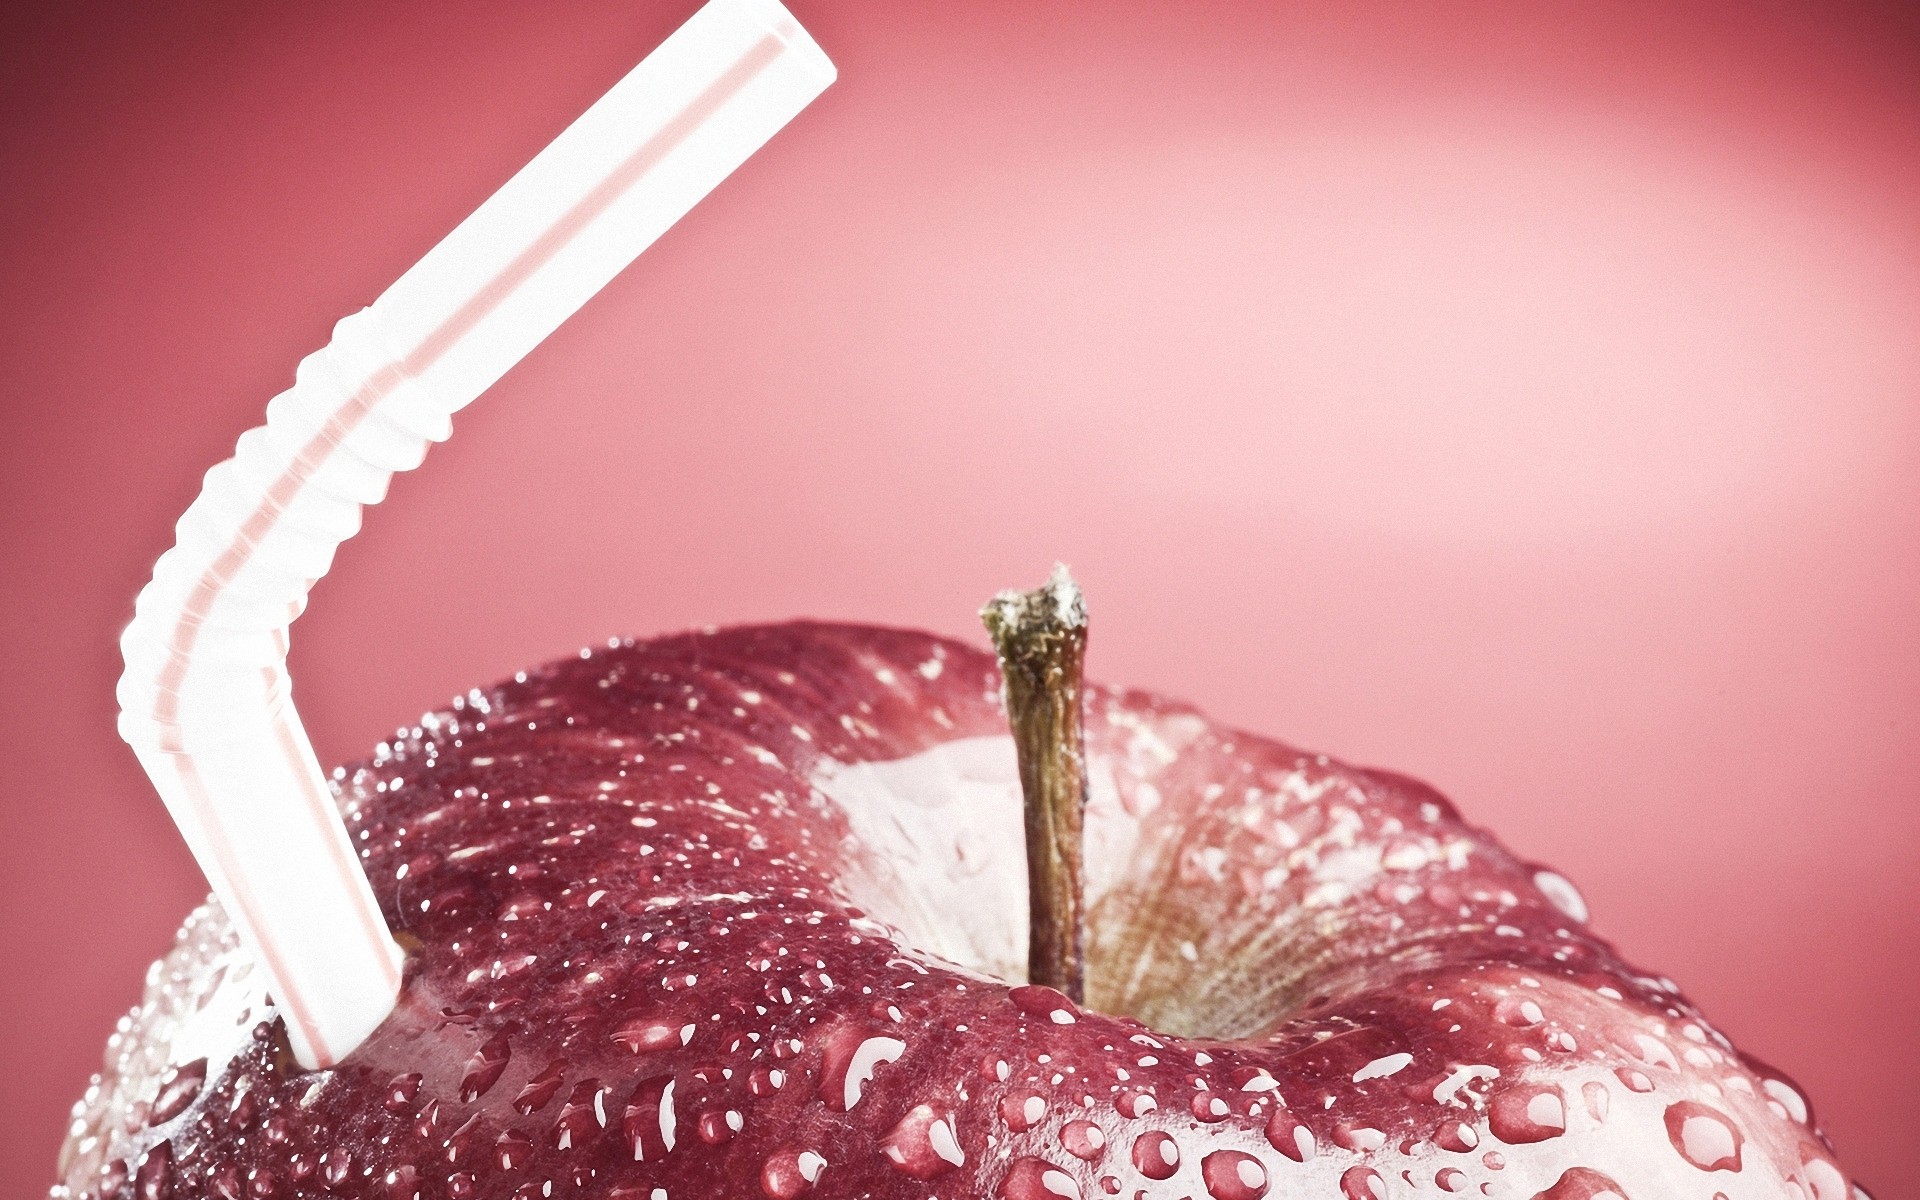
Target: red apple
743, 913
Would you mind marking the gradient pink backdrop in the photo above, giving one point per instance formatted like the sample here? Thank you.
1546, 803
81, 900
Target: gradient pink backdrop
1523, 396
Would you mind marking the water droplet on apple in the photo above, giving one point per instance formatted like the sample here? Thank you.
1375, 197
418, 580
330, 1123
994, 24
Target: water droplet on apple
923, 1143
764, 1081
1135, 1104
1232, 1175
1632, 1080
716, 1126
1598, 1099
1037, 1179
1784, 1094
512, 1149
583, 1116
1527, 1113
1824, 1179
1209, 1107
401, 1183
335, 1166
648, 1125
1704, 1137
1022, 1109
485, 1067
788, 1173
1561, 893
401, 1092
1363, 1183
178, 1088
1289, 1135
1045, 1003
1457, 1136
1083, 1139
1654, 1052
1361, 1138
645, 1035
1450, 1179
1155, 1155
540, 1089
850, 1063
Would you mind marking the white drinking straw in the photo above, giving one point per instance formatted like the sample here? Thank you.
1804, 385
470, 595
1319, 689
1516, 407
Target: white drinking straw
204, 699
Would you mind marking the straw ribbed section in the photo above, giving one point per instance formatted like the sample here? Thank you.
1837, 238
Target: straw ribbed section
205, 699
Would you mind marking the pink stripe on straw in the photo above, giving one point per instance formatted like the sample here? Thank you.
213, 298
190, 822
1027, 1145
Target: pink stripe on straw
344, 420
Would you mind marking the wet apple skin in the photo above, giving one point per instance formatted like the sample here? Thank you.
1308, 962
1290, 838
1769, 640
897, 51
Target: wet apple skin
636, 962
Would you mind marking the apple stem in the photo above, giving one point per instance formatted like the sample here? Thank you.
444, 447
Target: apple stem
1041, 637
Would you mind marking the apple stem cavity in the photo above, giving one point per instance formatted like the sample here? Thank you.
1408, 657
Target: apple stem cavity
1041, 638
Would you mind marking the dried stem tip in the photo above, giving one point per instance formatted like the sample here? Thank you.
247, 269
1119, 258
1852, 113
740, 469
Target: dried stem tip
1041, 637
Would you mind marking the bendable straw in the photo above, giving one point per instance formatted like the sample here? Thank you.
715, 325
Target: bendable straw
204, 697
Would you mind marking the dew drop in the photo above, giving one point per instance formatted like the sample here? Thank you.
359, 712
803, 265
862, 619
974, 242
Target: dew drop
1037, 1179
1209, 1107
1022, 1109
645, 1035
1045, 1003
765, 1081
1289, 1135
1155, 1155
1232, 1175
716, 1127
512, 1149
1632, 1080
485, 1067
335, 1167
225, 1182
584, 1115
1654, 1052
401, 1092
1787, 1097
923, 1143
647, 1124
1450, 1179
788, 1173
1527, 1113
1135, 1104
1363, 1183
1561, 893
1599, 1099
1362, 1138
1083, 1139
153, 1178
1457, 1136
849, 1067
178, 1088
1704, 1137
540, 1089
401, 1183
1824, 1180
429, 1120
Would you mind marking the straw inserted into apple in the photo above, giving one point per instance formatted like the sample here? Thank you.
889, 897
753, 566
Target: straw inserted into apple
205, 699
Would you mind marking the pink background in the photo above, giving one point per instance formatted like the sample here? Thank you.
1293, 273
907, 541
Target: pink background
1521, 396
